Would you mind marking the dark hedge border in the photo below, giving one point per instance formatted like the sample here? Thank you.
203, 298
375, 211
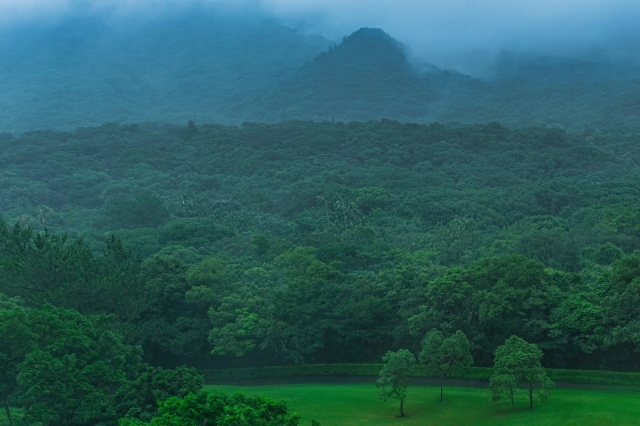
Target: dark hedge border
569, 377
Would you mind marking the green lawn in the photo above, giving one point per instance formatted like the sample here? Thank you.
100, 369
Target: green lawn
359, 405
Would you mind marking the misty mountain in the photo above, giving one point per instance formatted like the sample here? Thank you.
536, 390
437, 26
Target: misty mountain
229, 68
566, 92
198, 65
367, 76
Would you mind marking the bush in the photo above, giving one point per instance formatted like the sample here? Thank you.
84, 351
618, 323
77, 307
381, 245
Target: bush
221, 409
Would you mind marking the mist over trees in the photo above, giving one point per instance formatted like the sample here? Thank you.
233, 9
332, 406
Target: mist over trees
210, 66
260, 196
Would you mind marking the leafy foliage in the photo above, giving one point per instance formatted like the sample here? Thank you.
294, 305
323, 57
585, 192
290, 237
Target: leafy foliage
445, 354
146, 210
60, 366
518, 362
139, 398
324, 242
220, 409
394, 380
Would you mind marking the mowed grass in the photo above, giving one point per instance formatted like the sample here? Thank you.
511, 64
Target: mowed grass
351, 405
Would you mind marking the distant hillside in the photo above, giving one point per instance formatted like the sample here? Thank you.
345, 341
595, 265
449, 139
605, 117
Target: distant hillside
566, 92
195, 66
367, 76
216, 68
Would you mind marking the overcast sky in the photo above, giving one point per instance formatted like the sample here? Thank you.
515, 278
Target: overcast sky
447, 32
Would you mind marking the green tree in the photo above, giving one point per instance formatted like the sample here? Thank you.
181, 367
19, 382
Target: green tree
139, 398
619, 295
518, 363
308, 310
576, 330
608, 253
174, 317
260, 244
236, 338
445, 354
449, 304
61, 366
503, 385
394, 376
190, 131
45, 267
16, 341
489, 301
10, 302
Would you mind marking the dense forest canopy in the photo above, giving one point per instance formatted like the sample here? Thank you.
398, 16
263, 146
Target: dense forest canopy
328, 241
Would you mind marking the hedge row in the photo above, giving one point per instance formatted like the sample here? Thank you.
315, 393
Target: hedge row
595, 378
571, 377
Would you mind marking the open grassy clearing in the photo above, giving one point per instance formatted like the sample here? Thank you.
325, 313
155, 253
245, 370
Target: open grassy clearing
359, 405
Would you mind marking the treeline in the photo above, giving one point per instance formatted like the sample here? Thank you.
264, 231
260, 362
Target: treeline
293, 307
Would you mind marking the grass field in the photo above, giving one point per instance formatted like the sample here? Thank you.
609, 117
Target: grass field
350, 405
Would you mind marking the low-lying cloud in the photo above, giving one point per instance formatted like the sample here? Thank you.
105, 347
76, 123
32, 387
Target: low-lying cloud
451, 33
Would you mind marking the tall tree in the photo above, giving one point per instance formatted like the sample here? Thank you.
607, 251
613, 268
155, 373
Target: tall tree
139, 398
45, 267
16, 341
61, 365
517, 363
445, 354
394, 376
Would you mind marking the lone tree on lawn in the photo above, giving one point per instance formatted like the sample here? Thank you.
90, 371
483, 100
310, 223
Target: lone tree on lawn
394, 377
518, 363
445, 354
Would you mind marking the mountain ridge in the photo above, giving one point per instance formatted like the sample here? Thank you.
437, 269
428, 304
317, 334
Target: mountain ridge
208, 67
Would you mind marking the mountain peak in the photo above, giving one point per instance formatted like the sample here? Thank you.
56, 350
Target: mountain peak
370, 35
372, 38
367, 71
370, 46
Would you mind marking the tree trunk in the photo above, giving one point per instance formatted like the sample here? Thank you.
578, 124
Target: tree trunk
6, 407
402, 408
531, 394
441, 382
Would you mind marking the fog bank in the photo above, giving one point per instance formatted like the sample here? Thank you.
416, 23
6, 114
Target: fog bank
461, 34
